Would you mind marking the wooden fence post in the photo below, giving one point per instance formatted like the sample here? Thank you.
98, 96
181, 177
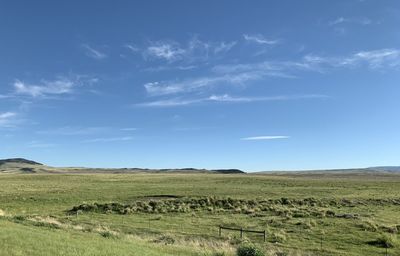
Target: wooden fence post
263, 232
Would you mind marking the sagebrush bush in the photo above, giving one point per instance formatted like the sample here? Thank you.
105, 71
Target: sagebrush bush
165, 240
249, 250
390, 229
385, 241
19, 218
218, 254
368, 225
108, 234
278, 237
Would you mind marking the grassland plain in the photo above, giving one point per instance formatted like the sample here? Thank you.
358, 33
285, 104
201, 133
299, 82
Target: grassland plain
179, 214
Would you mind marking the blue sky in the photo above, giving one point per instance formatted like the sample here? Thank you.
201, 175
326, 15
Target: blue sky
260, 85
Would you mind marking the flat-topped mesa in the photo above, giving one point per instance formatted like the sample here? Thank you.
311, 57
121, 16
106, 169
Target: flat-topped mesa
18, 161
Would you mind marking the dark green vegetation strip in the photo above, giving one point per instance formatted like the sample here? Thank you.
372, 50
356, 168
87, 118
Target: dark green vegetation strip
292, 207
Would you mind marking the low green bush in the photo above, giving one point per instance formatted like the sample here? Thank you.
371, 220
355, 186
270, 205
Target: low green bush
165, 240
384, 241
249, 250
108, 234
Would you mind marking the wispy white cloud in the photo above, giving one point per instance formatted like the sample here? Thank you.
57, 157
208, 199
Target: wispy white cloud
93, 53
224, 46
168, 68
265, 138
360, 21
4, 96
75, 131
7, 119
46, 88
129, 129
260, 39
6, 115
374, 59
243, 74
60, 86
170, 51
165, 88
225, 98
38, 144
169, 102
132, 48
85, 131
194, 50
231, 75
113, 139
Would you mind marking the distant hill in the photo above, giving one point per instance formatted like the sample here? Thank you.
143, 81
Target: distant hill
386, 168
18, 161
339, 173
21, 165
229, 171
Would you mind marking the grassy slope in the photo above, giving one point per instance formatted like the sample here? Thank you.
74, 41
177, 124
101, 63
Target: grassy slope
18, 239
53, 194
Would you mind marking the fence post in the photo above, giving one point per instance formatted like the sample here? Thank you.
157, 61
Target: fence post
241, 232
264, 236
321, 243
220, 231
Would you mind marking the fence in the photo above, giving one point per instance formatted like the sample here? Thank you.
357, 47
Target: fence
243, 230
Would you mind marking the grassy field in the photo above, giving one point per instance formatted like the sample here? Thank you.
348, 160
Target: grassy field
179, 214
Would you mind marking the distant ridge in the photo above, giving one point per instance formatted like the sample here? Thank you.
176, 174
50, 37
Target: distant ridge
228, 171
189, 170
386, 168
18, 161
21, 165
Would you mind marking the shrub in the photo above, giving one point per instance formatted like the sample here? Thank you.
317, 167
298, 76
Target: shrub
19, 218
306, 224
390, 229
330, 213
385, 241
108, 234
46, 224
368, 225
249, 250
218, 254
165, 240
278, 237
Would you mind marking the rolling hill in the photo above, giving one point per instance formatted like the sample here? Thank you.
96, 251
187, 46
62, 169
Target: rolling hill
21, 165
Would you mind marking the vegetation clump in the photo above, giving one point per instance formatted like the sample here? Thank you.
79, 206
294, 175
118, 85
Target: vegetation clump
108, 234
384, 241
278, 237
284, 207
249, 249
167, 240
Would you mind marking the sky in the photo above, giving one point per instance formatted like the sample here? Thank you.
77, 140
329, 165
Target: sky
254, 85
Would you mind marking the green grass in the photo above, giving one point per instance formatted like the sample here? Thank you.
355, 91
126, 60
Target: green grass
291, 228
18, 239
